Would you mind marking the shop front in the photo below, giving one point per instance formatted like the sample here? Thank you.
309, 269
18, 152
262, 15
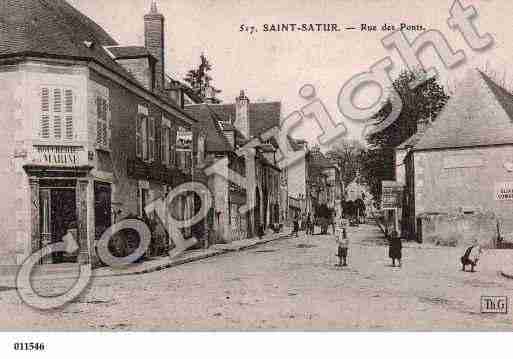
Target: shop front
59, 186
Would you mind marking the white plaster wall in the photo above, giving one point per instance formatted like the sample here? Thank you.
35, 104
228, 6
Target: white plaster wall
297, 178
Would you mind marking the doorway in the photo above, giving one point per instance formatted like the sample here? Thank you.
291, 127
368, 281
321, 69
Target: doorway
58, 213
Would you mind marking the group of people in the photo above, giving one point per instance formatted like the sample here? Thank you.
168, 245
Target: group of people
470, 257
342, 239
308, 222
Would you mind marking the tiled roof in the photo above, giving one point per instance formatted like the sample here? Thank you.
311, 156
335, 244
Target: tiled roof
208, 121
480, 113
262, 115
128, 52
54, 28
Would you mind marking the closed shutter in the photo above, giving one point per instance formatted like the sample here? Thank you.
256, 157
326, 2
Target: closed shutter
144, 136
44, 128
57, 117
102, 123
138, 137
165, 145
151, 139
57, 120
172, 142
68, 109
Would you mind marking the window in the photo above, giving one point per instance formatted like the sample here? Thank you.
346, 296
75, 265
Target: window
165, 142
57, 120
139, 137
102, 123
144, 135
145, 143
151, 139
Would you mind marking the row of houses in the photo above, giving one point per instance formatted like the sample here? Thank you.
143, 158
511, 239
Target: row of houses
94, 131
454, 176
312, 182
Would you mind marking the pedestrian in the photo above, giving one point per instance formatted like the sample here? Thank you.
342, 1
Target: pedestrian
471, 257
395, 248
343, 244
70, 240
308, 223
295, 225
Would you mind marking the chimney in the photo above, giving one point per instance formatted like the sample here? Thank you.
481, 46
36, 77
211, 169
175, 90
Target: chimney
154, 42
242, 114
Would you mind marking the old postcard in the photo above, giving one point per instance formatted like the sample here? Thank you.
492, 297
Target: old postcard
233, 165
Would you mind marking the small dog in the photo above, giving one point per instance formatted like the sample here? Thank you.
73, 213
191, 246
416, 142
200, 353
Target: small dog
471, 257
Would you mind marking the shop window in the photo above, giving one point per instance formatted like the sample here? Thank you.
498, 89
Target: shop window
57, 118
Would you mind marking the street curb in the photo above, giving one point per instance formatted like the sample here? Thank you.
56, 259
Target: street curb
192, 259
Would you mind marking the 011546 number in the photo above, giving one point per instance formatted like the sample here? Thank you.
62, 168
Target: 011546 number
29, 346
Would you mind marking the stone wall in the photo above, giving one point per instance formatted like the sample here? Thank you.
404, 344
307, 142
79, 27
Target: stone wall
459, 229
448, 181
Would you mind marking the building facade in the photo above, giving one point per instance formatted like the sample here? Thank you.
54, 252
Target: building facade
462, 164
90, 134
229, 128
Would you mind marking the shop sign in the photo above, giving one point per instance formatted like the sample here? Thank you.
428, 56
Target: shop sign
53, 155
504, 191
183, 139
391, 195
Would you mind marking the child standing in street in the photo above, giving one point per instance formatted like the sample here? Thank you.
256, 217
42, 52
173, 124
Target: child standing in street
343, 244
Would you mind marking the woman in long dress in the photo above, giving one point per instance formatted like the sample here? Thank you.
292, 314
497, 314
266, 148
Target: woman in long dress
395, 248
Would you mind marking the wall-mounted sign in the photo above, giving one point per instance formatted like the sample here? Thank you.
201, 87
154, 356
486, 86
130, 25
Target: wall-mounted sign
391, 194
504, 191
183, 139
53, 155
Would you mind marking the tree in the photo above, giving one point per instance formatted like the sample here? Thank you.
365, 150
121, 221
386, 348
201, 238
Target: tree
347, 153
423, 102
201, 82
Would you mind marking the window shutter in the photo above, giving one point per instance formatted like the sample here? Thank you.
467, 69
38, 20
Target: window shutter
151, 138
164, 145
68, 108
45, 117
138, 136
108, 124
57, 127
144, 136
104, 123
57, 108
98, 120
57, 100
172, 142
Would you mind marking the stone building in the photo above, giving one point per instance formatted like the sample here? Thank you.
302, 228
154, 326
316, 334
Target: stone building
220, 144
462, 165
231, 127
313, 181
90, 132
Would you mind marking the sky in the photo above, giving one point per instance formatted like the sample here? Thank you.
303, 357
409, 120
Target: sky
273, 66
